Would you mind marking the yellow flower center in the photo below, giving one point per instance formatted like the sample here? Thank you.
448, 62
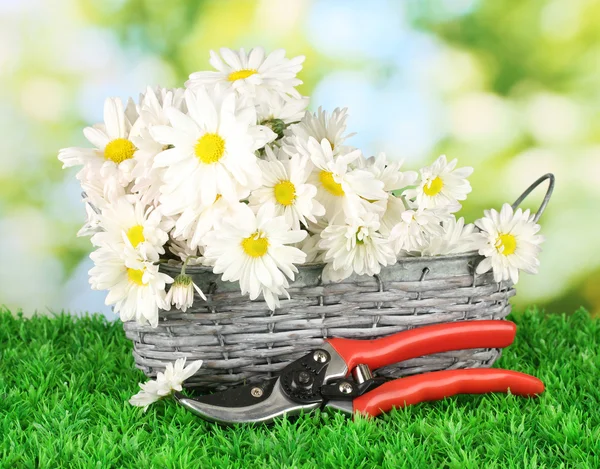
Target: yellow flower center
135, 235
329, 184
255, 245
119, 149
135, 276
241, 74
434, 187
285, 192
506, 244
210, 148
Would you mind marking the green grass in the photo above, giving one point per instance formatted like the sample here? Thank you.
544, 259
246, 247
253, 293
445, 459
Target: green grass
65, 382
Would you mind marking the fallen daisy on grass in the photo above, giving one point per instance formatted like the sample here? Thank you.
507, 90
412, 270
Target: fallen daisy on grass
171, 380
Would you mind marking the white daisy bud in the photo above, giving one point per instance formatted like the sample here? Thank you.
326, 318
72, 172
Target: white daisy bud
181, 293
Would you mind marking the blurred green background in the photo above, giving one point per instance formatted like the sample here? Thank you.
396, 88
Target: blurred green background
508, 87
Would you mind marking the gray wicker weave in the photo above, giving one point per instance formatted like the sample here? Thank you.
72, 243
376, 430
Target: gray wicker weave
243, 341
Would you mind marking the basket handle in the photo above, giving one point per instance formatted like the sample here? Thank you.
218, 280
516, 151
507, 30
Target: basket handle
528, 191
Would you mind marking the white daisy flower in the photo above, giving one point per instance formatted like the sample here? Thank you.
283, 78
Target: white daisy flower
155, 100
389, 172
345, 193
181, 293
284, 185
113, 158
195, 222
456, 239
251, 74
288, 110
152, 107
151, 392
213, 150
135, 287
166, 382
509, 241
415, 230
129, 222
357, 247
442, 185
252, 249
319, 125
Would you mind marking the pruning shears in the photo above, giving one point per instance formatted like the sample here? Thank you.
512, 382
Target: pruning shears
339, 375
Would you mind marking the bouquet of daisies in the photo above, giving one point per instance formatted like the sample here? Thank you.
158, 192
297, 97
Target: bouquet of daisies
233, 172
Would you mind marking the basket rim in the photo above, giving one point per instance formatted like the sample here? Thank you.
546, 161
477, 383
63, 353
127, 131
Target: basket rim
202, 268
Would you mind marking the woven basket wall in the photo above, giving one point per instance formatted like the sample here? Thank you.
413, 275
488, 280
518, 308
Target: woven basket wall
243, 341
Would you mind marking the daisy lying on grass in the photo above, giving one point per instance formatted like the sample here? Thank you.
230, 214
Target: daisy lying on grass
165, 383
233, 174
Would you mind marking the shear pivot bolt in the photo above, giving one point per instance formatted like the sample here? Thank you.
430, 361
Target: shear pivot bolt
256, 392
362, 373
345, 388
320, 356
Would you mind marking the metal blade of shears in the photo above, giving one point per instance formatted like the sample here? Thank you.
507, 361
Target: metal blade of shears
245, 404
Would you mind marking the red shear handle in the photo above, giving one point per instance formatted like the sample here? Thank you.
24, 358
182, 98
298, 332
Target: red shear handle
425, 341
440, 384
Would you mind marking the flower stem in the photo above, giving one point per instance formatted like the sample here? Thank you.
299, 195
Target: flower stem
187, 259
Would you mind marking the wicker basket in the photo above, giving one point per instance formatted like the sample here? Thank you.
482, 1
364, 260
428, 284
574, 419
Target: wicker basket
242, 341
